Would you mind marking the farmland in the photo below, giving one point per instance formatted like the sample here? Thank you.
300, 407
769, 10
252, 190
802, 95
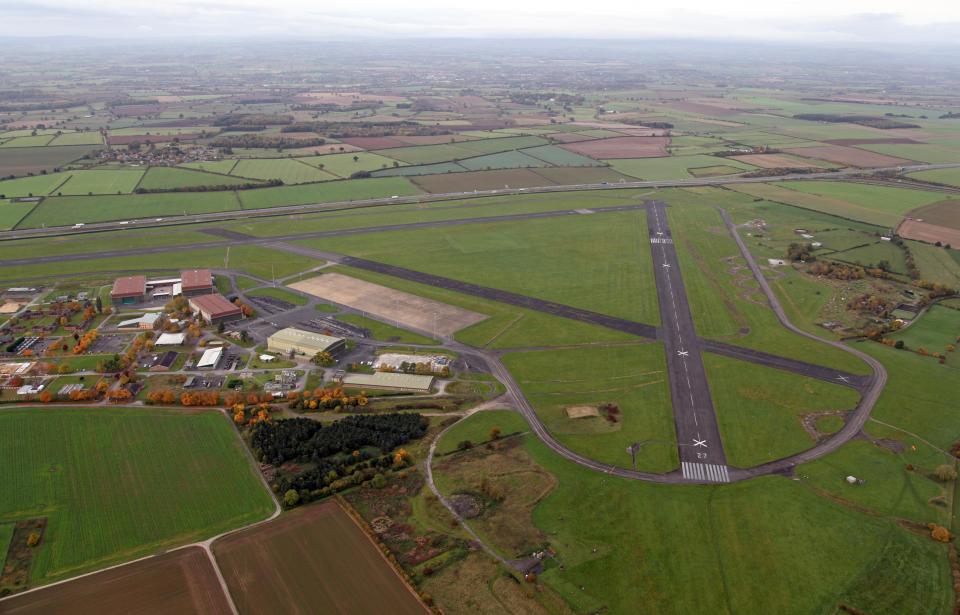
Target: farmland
104, 480
291, 554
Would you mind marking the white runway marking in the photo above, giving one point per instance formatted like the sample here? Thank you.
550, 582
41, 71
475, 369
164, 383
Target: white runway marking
660, 240
709, 472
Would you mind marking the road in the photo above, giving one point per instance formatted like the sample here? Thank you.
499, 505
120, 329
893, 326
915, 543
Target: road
694, 417
872, 387
380, 202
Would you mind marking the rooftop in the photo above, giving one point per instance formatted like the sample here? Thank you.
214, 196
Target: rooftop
130, 285
215, 305
192, 279
390, 380
291, 335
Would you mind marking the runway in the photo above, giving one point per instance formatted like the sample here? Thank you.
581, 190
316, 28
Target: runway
698, 435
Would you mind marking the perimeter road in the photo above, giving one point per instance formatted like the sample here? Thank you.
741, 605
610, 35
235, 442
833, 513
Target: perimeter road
698, 435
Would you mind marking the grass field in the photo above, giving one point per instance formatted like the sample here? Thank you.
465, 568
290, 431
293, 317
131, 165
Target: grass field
759, 408
730, 541
213, 166
343, 165
11, 213
477, 429
115, 484
633, 377
312, 556
164, 178
937, 328
385, 333
66, 210
100, 182
289, 171
675, 167
597, 262
38, 185
502, 160
279, 293
882, 199
420, 169
20, 161
949, 177
344, 190
560, 157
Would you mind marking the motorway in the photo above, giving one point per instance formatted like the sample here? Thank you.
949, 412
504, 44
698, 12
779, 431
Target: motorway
694, 417
244, 214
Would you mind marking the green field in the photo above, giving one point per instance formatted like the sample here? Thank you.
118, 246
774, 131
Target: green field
633, 377
675, 167
949, 177
290, 171
66, 210
100, 182
334, 191
502, 160
884, 199
11, 213
166, 178
935, 330
758, 408
420, 169
78, 138
38, 185
478, 428
598, 262
560, 157
385, 333
213, 166
768, 545
343, 165
116, 484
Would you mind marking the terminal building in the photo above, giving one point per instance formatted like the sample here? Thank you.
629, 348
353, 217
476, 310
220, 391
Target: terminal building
303, 342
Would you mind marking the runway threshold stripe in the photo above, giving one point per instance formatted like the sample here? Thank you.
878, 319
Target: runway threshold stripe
705, 471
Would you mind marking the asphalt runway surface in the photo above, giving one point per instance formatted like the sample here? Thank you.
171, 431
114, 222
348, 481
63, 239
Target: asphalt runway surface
698, 435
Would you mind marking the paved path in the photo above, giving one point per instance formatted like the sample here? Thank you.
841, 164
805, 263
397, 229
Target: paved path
698, 435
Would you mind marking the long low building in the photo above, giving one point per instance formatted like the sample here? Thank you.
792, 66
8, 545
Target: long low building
390, 380
215, 308
303, 342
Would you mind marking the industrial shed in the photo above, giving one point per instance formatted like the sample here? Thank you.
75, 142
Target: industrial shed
390, 380
303, 342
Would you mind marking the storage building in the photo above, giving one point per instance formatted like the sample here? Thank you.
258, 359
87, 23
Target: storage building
215, 308
303, 342
389, 380
194, 282
129, 290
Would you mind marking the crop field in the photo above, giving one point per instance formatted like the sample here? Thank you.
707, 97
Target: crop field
938, 328
559, 156
621, 147
37, 185
940, 213
881, 198
213, 166
849, 156
834, 554
100, 182
166, 178
502, 160
78, 138
20, 161
177, 582
27, 141
105, 481
676, 167
290, 171
759, 408
921, 152
775, 161
421, 169
312, 556
596, 262
714, 171
580, 175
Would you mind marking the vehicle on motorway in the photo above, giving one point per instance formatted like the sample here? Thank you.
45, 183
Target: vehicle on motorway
79, 225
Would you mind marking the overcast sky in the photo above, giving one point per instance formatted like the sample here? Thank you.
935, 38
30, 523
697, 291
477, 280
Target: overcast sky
843, 21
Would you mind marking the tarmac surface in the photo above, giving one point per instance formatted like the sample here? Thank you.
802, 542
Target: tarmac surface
698, 435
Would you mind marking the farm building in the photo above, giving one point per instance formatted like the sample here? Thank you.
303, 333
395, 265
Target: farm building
194, 282
215, 308
387, 380
303, 342
129, 290
210, 358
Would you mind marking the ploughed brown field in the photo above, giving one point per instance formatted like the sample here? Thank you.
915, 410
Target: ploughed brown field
126, 139
315, 559
849, 156
942, 213
175, 583
930, 233
621, 147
